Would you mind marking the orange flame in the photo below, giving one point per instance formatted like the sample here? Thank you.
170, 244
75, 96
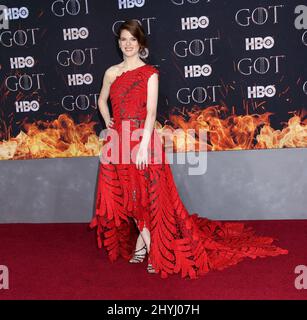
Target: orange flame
63, 138
59, 138
235, 132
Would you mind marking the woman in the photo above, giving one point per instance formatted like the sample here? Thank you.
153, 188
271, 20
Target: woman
138, 209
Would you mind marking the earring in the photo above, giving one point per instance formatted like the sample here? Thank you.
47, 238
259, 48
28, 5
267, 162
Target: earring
143, 53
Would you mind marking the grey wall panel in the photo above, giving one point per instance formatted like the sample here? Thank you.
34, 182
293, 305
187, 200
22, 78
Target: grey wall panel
238, 185
252, 184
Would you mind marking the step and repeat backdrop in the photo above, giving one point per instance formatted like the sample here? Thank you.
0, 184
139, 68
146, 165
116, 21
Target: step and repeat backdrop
234, 69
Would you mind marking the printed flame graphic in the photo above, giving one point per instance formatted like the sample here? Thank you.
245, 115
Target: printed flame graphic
63, 138
59, 138
235, 132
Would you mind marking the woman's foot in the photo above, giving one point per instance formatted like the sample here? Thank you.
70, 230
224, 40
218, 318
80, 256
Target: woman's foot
139, 255
150, 268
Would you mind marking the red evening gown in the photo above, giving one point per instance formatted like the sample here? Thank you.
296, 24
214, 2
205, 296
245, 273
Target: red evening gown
181, 243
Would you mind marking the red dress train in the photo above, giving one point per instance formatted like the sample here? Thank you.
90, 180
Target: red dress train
180, 242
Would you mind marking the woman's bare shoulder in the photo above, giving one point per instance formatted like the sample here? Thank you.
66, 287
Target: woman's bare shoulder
112, 72
114, 69
109, 71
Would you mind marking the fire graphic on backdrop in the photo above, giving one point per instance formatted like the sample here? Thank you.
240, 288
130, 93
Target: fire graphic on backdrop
62, 137
78, 57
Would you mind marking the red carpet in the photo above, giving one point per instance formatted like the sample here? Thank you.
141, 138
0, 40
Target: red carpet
61, 261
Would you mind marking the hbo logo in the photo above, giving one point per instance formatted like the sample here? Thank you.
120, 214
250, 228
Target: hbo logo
259, 43
197, 71
128, 4
26, 106
261, 91
79, 79
21, 62
194, 23
75, 33
15, 13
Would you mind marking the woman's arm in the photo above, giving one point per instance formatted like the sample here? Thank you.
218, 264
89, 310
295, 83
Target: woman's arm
103, 97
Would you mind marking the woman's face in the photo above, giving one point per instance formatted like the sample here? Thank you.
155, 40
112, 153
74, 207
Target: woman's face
128, 43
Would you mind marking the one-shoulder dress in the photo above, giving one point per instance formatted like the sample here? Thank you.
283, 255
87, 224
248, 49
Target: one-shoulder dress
181, 243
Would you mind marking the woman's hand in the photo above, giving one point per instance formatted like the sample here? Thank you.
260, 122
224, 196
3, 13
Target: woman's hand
110, 123
142, 157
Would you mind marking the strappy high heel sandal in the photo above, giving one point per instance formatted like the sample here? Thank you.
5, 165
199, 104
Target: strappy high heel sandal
150, 268
138, 257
